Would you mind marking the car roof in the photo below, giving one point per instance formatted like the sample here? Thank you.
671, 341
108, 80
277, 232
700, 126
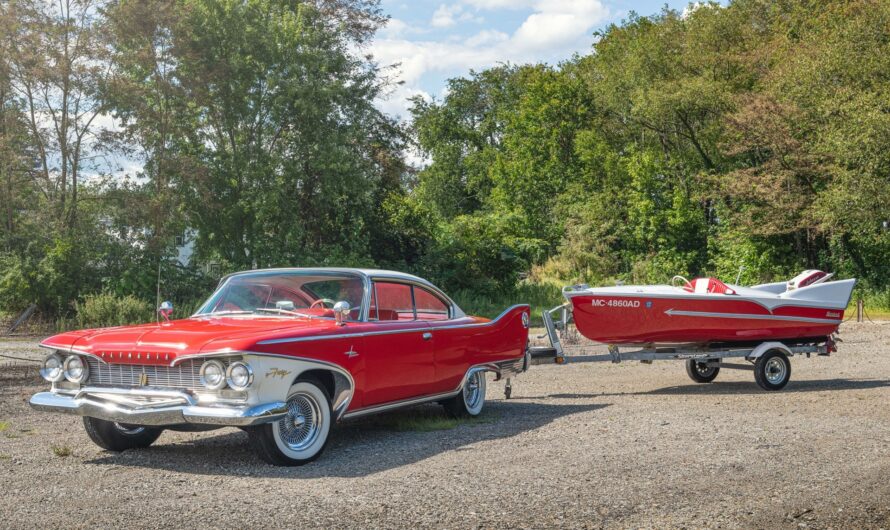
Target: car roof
378, 273
368, 273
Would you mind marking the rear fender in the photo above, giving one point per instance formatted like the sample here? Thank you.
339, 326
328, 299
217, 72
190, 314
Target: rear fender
767, 346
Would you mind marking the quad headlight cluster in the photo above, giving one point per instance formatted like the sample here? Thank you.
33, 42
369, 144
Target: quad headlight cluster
73, 368
215, 375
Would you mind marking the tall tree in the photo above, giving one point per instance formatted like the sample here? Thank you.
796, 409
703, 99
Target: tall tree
58, 62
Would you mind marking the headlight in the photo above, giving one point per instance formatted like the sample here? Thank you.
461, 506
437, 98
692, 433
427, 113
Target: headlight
213, 375
239, 375
75, 369
52, 369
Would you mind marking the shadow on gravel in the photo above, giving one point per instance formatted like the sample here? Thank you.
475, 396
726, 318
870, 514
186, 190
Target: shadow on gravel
743, 387
356, 449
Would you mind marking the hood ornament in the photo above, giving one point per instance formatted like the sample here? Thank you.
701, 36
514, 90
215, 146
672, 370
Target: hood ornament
166, 309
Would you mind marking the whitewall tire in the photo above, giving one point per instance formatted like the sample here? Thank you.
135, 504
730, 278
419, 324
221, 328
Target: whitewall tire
301, 436
470, 400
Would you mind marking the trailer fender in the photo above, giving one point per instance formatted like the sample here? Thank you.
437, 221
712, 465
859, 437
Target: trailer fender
767, 346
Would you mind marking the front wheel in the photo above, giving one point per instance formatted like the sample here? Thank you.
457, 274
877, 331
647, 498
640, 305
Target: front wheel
118, 437
470, 400
301, 436
772, 370
700, 372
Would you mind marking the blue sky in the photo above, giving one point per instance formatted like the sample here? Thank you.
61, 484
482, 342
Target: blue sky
435, 40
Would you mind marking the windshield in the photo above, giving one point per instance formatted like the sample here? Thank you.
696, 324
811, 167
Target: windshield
297, 293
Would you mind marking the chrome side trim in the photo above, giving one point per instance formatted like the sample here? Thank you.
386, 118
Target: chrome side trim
746, 316
398, 404
392, 331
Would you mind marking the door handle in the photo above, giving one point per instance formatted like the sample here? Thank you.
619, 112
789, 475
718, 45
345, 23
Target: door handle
427, 336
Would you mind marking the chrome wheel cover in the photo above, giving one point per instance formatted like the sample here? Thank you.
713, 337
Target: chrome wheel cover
472, 390
775, 370
300, 428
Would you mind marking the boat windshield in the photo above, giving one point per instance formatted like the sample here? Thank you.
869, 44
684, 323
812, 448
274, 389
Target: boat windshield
306, 293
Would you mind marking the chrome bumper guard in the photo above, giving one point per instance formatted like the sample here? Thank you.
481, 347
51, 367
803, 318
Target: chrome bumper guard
155, 407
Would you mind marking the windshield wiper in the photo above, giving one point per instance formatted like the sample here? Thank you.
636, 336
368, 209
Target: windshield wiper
282, 312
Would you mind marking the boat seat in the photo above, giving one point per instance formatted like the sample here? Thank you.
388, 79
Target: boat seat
709, 286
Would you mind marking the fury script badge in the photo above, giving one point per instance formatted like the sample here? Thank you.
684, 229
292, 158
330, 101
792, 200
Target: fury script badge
277, 372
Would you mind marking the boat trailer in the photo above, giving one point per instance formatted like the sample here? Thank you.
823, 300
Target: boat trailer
768, 359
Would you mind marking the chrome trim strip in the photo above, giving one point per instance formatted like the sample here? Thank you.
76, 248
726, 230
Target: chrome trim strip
391, 331
707, 314
398, 404
712, 297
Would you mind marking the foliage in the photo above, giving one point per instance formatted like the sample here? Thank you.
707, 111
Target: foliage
105, 310
752, 135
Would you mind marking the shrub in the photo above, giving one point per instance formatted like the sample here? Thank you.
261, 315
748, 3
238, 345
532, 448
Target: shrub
103, 310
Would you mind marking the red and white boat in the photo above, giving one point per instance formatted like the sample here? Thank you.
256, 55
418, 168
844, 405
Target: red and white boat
707, 311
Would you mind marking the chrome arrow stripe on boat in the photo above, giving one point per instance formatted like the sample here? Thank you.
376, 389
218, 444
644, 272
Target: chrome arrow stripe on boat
706, 314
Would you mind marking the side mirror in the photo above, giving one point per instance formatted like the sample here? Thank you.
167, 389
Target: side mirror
341, 312
166, 309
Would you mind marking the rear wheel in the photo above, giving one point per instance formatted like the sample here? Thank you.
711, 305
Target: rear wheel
301, 436
700, 372
470, 400
772, 370
120, 436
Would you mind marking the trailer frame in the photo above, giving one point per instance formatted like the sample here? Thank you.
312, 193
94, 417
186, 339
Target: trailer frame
768, 359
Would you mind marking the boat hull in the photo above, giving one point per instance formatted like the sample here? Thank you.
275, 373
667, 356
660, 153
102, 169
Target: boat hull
643, 319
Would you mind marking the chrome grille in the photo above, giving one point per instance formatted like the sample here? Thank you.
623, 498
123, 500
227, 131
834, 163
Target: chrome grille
184, 375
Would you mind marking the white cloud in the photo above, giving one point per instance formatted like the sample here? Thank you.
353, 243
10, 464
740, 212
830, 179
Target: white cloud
444, 15
447, 15
554, 30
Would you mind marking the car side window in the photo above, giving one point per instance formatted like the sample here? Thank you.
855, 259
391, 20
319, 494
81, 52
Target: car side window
429, 306
392, 301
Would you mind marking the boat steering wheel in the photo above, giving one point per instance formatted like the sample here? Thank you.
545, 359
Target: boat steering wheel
321, 302
678, 277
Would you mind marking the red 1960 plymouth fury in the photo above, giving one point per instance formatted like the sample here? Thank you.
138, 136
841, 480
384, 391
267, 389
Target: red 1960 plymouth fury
283, 353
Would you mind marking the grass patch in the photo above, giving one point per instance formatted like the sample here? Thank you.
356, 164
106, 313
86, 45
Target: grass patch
61, 450
427, 420
4, 457
4, 425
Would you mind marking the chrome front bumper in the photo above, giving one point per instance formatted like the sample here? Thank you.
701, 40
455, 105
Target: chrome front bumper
155, 407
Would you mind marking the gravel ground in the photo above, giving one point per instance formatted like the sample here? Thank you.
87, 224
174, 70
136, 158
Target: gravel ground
584, 445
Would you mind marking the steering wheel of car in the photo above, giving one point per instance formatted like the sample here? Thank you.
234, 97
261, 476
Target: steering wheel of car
678, 277
321, 302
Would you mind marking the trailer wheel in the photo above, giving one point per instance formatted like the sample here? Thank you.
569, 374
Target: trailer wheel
772, 370
700, 372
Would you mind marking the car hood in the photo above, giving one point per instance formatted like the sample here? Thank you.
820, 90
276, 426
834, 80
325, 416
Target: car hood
166, 342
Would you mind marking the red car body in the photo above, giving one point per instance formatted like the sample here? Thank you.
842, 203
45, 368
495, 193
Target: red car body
372, 358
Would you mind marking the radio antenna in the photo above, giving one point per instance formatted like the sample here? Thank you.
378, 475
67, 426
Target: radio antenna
158, 299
